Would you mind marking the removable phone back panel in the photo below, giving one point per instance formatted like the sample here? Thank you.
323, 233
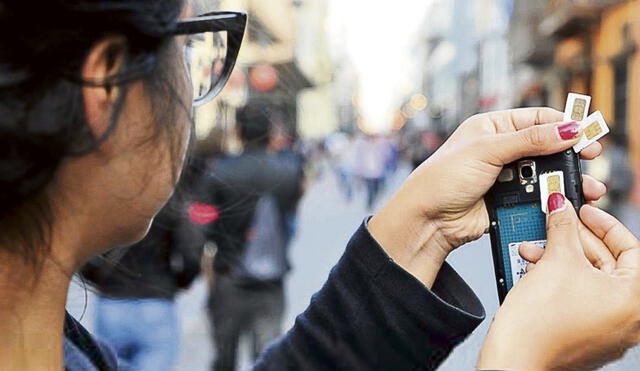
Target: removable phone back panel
515, 211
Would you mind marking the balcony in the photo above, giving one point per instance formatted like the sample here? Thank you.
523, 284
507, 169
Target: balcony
569, 17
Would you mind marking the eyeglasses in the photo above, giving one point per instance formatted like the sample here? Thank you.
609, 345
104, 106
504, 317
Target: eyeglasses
211, 50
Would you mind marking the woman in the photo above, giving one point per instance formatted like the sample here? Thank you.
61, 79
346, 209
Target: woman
94, 119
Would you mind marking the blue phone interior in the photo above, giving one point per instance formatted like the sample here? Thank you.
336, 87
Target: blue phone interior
522, 222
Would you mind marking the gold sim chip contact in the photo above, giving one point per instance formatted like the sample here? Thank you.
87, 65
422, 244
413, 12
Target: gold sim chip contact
579, 106
553, 184
593, 130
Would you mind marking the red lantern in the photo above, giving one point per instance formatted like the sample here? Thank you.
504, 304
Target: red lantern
263, 77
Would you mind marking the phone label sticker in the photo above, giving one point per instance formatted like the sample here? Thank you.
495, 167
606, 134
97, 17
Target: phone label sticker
518, 264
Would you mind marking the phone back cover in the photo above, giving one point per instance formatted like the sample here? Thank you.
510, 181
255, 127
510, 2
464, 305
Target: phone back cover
516, 215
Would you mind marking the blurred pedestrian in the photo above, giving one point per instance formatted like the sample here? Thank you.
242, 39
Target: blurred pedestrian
135, 310
341, 148
372, 155
256, 192
613, 168
424, 145
283, 145
394, 156
620, 181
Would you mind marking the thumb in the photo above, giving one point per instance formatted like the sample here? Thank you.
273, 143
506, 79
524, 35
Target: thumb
536, 140
562, 229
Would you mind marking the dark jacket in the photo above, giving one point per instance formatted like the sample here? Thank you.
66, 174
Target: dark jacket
165, 261
234, 189
373, 315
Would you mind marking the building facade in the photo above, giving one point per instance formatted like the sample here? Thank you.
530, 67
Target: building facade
585, 46
467, 65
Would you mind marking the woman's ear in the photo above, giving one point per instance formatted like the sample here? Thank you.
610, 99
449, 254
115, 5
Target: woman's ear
104, 61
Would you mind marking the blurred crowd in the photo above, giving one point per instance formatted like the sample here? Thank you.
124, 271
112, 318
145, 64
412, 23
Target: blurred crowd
234, 214
232, 220
366, 162
358, 158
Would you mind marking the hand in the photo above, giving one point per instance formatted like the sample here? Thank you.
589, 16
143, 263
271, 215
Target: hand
565, 313
441, 205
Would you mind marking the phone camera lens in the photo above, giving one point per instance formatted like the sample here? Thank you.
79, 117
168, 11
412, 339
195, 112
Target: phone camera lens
526, 172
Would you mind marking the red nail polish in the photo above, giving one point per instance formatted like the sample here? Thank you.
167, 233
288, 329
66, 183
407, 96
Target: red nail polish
569, 130
556, 202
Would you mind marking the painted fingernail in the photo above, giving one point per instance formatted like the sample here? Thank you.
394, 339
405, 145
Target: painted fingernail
569, 130
556, 202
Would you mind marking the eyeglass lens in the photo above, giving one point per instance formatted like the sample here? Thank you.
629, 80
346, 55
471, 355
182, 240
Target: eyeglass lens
205, 55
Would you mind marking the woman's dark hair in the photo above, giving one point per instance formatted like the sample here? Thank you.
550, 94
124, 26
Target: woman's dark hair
43, 47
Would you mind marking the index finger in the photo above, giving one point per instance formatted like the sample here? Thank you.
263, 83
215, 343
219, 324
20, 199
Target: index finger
522, 118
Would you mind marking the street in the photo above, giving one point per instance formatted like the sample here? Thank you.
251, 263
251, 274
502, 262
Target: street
326, 222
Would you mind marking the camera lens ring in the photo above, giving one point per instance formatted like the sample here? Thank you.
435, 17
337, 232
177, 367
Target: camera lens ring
526, 172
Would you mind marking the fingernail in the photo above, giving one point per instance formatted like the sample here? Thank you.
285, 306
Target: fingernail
569, 130
556, 202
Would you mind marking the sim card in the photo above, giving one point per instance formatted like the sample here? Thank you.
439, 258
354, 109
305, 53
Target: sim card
594, 128
552, 182
518, 264
577, 108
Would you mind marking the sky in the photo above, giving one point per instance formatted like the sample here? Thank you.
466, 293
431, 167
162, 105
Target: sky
379, 38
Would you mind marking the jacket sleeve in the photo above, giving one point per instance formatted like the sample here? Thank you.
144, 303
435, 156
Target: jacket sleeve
373, 315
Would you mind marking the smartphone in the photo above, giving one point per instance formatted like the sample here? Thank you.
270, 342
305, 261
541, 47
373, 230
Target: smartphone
515, 210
